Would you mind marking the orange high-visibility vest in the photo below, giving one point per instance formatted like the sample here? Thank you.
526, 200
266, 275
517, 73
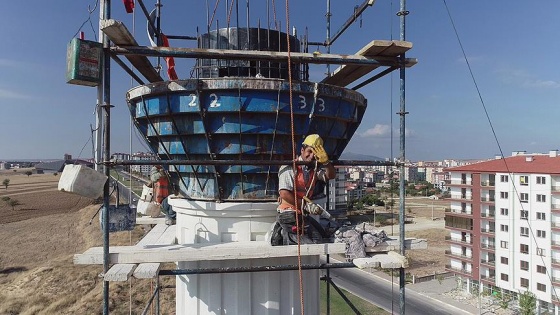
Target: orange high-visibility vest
161, 189
302, 188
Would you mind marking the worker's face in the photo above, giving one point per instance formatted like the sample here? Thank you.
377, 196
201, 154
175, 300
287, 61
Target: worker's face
307, 154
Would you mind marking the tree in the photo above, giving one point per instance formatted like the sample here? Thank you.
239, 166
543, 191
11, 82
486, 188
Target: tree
527, 303
6, 182
55, 174
6, 198
28, 173
13, 203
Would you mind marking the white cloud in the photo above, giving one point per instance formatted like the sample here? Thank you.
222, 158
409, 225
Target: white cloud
377, 131
384, 131
526, 80
6, 94
541, 84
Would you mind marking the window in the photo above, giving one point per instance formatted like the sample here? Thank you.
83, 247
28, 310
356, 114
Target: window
524, 231
504, 178
524, 180
504, 260
541, 180
504, 227
524, 283
541, 269
504, 244
541, 252
504, 277
541, 233
503, 194
541, 198
524, 265
524, 197
541, 216
504, 211
524, 248
524, 214
541, 287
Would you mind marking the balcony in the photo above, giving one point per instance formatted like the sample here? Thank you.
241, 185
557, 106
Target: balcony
449, 253
460, 197
458, 240
555, 245
488, 246
487, 198
463, 271
555, 226
555, 300
555, 208
555, 263
487, 230
488, 183
488, 215
488, 262
555, 189
460, 212
488, 278
556, 281
461, 182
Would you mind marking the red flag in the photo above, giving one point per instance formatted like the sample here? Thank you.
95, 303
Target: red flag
129, 5
169, 60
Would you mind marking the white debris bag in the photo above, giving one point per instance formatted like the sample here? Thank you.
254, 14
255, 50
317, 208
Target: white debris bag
82, 180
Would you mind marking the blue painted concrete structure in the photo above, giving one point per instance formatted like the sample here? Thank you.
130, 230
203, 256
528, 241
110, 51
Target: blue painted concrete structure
240, 119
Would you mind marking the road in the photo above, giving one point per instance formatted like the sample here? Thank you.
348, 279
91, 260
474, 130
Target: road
378, 291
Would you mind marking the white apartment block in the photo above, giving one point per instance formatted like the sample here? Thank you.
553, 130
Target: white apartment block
143, 169
504, 223
338, 201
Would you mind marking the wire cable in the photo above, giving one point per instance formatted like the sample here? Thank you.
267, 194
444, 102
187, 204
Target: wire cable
90, 11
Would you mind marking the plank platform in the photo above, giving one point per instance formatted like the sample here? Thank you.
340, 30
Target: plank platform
393, 244
159, 235
347, 74
203, 252
119, 34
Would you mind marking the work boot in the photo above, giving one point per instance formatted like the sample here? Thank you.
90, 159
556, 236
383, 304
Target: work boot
169, 220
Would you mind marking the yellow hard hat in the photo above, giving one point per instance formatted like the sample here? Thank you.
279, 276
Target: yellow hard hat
313, 140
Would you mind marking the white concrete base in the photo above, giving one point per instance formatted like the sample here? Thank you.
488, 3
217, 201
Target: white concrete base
274, 293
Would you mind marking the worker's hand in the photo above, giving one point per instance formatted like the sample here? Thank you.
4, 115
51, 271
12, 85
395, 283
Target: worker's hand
311, 207
320, 154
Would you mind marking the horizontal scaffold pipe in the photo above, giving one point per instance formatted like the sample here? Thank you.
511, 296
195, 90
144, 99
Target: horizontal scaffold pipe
242, 162
296, 57
177, 272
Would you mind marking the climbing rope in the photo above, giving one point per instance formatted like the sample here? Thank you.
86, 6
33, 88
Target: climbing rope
298, 211
214, 13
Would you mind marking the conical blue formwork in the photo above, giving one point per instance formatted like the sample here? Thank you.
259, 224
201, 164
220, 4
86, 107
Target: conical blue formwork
240, 119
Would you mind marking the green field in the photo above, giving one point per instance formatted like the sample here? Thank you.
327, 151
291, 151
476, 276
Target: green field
339, 306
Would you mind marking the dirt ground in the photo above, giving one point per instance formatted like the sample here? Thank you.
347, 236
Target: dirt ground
40, 237
42, 233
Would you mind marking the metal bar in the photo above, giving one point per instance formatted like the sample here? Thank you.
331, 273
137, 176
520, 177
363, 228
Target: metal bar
317, 44
402, 14
127, 69
181, 37
343, 296
351, 20
178, 272
375, 77
243, 162
106, 9
147, 14
145, 311
296, 57
328, 283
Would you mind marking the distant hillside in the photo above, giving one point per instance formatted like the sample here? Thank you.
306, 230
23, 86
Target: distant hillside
359, 157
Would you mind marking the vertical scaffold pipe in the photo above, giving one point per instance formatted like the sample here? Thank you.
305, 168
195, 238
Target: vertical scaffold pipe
402, 113
105, 12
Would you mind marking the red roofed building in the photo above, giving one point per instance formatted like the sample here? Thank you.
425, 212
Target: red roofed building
504, 223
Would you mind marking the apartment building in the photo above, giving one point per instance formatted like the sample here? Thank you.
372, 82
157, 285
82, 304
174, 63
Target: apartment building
504, 223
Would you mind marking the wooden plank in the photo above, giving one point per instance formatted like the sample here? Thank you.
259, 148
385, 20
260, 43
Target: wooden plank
146, 270
393, 244
347, 74
119, 34
160, 234
149, 220
119, 272
205, 252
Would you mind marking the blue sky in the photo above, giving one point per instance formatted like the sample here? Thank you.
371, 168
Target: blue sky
511, 47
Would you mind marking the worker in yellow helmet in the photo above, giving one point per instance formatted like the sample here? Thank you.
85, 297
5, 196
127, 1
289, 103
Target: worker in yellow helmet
299, 186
